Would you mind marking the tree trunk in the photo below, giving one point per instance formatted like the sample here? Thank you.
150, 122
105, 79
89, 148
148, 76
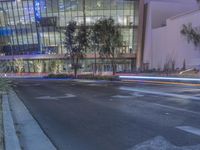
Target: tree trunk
114, 69
29, 70
75, 72
76, 68
113, 66
84, 14
113, 63
95, 63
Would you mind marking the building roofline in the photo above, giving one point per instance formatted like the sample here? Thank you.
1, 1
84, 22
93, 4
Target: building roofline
184, 14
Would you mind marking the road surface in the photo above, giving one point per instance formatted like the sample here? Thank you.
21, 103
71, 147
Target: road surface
79, 115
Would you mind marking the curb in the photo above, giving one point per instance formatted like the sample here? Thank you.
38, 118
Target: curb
31, 135
10, 136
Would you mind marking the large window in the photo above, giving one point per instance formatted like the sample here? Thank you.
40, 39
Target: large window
37, 25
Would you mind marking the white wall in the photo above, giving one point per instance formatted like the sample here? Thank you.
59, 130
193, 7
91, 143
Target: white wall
157, 14
161, 11
174, 1
169, 43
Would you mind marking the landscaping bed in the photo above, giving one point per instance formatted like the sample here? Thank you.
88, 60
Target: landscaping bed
85, 76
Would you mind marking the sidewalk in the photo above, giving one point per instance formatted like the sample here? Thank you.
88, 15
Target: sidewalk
1, 126
21, 130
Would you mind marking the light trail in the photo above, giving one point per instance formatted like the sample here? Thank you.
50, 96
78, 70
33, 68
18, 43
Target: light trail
160, 78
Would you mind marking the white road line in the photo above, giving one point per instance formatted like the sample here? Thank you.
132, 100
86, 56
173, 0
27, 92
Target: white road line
135, 94
160, 143
121, 96
46, 97
189, 90
189, 129
177, 109
56, 97
160, 93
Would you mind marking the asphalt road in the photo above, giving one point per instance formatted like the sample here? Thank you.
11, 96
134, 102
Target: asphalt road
113, 116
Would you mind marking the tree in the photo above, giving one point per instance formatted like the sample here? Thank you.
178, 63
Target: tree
53, 66
95, 41
19, 65
82, 38
192, 34
38, 64
108, 38
56, 66
76, 43
84, 13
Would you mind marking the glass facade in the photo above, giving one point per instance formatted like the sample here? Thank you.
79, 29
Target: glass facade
31, 27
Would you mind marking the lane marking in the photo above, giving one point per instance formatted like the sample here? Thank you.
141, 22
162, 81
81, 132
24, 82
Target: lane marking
159, 142
121, 96
96, 84
189, 129
160, 93
46, 97
56, 97
177, 109
154, 144
135, 94
189, 90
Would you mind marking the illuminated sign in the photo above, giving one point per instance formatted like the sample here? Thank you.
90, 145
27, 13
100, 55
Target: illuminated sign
7, 0
5, 31
37, 10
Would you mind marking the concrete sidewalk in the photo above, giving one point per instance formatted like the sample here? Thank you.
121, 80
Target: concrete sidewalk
10, 135
1, 125
26, 132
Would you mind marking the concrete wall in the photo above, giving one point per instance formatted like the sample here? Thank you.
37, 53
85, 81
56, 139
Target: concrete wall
160, 45
176, 1
161, 11
168, 44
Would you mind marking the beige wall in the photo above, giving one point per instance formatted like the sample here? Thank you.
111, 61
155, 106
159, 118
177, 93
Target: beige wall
139, 54
168, 44
155, 43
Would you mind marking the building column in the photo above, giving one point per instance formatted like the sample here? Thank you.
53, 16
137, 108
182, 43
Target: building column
139, 54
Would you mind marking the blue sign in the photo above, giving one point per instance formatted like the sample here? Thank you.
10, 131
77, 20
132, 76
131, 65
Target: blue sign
7, 0
37, 7
5, 31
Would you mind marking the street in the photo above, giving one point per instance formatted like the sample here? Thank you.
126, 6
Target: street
79, 115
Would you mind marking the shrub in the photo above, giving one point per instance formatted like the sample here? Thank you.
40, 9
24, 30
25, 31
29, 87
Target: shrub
60, 76
4, 85
87, 77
